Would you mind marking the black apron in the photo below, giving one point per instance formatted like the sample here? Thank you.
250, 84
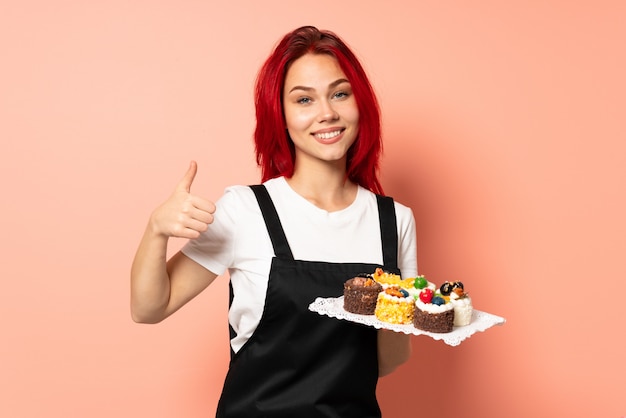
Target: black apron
297, 363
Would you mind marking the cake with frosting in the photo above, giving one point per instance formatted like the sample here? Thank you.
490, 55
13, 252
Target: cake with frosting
460, 300
433, 313
360, 295
408, 301
418, 284
395, 306
387, 279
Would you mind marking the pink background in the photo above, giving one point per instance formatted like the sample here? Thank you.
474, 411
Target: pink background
504, 128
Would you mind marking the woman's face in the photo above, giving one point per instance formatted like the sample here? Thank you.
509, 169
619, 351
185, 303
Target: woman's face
321, 113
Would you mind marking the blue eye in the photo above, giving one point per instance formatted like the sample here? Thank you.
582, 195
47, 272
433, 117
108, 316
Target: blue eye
303, 100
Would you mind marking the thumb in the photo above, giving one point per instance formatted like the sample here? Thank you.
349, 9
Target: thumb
187, 180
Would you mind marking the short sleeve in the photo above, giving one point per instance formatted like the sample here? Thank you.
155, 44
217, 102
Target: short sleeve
214, 249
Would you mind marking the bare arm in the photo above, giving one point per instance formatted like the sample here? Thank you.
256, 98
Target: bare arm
394, 349
160, 287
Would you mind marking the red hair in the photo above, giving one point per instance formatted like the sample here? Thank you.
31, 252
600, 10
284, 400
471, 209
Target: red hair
274, 149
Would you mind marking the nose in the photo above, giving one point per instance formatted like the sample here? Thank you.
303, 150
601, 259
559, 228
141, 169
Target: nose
327, 112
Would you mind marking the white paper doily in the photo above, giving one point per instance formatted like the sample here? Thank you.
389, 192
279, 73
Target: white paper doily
481, 321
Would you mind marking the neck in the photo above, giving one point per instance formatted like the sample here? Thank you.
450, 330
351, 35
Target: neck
328, 189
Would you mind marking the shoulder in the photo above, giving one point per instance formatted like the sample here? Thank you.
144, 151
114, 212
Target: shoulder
236, 196
277, 186
237, 191
243, 194
403, 212
236, 203
405, 218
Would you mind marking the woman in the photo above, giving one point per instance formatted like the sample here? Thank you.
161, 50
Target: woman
317, 220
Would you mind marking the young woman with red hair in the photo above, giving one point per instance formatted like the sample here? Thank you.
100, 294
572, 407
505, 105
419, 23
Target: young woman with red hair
318, 218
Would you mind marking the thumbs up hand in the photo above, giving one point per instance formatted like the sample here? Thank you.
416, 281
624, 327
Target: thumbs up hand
183, 214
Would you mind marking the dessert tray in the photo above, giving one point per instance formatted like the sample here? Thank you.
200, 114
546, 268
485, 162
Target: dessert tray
481, 321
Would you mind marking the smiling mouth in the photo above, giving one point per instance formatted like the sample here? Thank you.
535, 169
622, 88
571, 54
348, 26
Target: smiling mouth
328, 135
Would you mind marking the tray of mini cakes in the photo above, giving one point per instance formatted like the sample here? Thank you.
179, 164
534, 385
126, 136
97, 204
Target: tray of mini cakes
414, 305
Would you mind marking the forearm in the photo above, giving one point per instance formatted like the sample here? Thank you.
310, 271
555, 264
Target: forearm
150, 284
394, 349
159, 287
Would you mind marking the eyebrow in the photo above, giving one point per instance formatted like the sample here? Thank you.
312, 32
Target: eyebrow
331, 85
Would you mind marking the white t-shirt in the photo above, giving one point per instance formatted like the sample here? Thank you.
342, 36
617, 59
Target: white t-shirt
238, 240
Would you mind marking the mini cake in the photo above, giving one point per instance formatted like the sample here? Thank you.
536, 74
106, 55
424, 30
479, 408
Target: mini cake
461, 302
360, 295
395, 306
432, 313
387, 279
418, 284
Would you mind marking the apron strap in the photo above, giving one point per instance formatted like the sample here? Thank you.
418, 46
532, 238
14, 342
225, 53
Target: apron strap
386, 215
388, 231
272, 221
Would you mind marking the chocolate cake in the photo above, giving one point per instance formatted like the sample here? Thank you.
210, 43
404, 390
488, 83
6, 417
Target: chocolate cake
433, 318
360, 295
